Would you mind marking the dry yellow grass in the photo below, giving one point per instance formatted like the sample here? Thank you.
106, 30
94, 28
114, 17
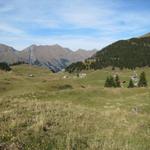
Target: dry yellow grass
49, 115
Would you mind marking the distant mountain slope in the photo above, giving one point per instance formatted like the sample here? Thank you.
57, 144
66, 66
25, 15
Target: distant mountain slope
130, 53
8, 54
145, 35
53, 57
80, 55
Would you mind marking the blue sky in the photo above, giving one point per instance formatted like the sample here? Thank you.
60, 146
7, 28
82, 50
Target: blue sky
86, 24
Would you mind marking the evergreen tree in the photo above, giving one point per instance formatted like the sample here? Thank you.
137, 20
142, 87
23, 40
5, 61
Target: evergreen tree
76, 67
131, 84
142, 81
117, 80
107, 82
110, 82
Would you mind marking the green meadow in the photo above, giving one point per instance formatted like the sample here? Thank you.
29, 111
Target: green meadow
50, 112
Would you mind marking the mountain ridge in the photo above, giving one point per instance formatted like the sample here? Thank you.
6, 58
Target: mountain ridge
145, 35
54, 57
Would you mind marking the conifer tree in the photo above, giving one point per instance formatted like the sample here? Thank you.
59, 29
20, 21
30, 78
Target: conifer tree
117, 80
107, 82
142, 81
111, 82
131, 84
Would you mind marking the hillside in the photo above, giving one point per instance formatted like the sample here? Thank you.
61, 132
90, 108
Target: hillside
130, 54
54, 57
145, 35
8, 54
125, 54
53, 112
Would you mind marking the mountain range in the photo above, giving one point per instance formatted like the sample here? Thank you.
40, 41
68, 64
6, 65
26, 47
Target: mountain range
131, 53
54, 57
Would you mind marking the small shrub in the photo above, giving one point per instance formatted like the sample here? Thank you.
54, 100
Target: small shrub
63, 87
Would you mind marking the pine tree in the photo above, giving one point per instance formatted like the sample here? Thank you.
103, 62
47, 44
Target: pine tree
117, 80
142, 81
112, 82
107, 82
131, 84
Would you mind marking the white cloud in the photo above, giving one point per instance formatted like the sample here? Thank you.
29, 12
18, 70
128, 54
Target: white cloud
107, 18
4, 27
72, 42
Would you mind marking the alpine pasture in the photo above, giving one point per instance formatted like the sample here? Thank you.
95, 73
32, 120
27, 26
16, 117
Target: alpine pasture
49, 112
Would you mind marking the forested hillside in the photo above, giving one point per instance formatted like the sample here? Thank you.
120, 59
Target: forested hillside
123, 54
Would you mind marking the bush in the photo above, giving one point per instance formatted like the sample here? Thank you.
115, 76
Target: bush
18, 63
63, 87
4, 66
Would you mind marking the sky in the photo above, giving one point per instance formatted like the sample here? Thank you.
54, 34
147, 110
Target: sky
86, 24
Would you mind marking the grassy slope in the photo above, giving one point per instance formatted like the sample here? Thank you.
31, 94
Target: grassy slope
49, 112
